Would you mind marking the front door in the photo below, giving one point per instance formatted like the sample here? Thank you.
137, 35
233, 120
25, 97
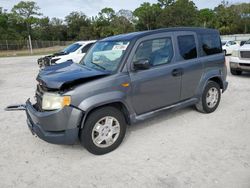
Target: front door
160, 85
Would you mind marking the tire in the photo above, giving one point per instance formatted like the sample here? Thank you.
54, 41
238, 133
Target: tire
102, 138
225, 52
204, 106
235, 72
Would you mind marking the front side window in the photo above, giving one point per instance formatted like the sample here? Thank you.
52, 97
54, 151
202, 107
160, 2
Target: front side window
157, 51
187, 47
105, 55
211, 44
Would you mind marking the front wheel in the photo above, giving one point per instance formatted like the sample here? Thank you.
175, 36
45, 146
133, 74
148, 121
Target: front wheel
210, 98
103, 131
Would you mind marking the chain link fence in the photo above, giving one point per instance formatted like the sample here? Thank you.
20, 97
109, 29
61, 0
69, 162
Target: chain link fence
236, 37
8, 45
23, 47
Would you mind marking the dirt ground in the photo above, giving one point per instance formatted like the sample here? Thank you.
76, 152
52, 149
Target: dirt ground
182, 149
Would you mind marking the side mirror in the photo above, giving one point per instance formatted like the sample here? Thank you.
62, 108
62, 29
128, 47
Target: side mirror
142, 64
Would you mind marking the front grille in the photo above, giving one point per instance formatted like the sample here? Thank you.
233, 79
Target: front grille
245, 54
245, 64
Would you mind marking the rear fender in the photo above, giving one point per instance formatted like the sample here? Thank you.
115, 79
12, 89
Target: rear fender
205, 78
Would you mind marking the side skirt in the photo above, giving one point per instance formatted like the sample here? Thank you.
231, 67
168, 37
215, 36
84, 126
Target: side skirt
171, 108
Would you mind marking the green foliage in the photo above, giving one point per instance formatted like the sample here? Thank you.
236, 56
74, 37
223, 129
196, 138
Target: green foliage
165, 3
75, 21
147, 16
179, 13
25, 18
206, 17
25, 12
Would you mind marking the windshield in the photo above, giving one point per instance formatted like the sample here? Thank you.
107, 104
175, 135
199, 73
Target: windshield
105, 55
71, 48
247, 42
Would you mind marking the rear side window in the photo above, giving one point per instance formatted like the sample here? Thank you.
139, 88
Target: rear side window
187, 47
211, 44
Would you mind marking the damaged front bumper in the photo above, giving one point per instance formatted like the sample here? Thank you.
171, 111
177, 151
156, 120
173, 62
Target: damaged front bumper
57, 126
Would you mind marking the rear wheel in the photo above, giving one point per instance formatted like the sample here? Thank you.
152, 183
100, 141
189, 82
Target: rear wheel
210, 98
103, 131
235, 72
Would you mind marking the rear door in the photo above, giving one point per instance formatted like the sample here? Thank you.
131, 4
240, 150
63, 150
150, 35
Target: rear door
189, 62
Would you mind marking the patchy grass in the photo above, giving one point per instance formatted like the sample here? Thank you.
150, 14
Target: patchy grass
40, 51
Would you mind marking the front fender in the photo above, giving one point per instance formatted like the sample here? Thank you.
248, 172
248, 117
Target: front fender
101, 99
98, 100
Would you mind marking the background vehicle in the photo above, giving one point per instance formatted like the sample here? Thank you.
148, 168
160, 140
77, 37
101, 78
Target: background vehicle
125, 79
242, 42
240, 59
74, 52
229, 46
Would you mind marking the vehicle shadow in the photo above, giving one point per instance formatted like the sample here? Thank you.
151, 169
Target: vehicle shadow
159, 118
245, 75
150, 122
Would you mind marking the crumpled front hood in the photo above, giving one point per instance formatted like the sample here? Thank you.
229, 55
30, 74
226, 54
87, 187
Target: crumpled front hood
61, 75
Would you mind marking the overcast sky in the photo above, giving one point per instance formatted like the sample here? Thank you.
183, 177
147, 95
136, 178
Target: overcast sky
61, 8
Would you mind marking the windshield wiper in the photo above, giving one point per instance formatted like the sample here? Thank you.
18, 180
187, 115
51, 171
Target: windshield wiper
103, 68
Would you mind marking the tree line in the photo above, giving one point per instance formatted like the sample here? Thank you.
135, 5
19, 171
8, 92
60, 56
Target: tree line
26, 19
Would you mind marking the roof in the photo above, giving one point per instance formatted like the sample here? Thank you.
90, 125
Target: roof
86, 41
134, 35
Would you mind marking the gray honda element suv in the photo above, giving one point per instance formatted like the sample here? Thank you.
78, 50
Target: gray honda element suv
124, 79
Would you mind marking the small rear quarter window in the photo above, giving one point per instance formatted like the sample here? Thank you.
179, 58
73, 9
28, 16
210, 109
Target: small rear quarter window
211, 44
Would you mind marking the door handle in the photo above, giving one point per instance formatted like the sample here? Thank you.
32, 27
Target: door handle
177, 72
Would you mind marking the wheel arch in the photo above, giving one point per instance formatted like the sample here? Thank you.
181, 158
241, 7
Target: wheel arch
216, 79
210, 76
116, 104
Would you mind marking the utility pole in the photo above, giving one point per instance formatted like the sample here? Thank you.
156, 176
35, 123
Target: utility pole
30, 44
29, 37
7, 45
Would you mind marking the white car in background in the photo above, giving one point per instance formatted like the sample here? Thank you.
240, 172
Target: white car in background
240, 59
74, 52
229, 46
